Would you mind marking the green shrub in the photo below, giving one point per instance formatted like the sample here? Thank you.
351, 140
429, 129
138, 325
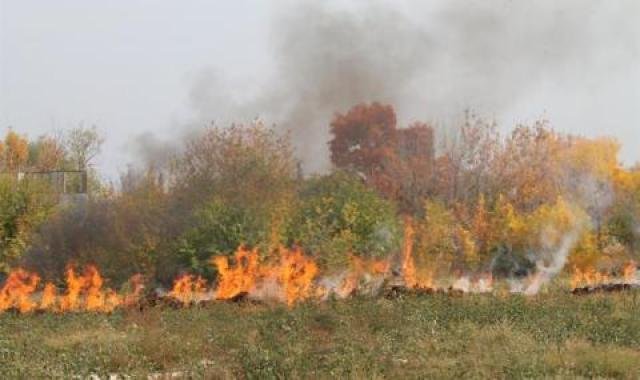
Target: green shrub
338, 216
24, 205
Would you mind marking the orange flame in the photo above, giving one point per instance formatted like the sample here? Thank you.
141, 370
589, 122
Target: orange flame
188, 289
297, 273
49, 296
237, 279
17, 290
629, 271
294, 273
590, 276
408, 265
84, 293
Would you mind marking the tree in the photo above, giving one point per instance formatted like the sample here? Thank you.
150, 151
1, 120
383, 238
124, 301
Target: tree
83, 145
396, 162
364, 138
529, 170
47, 154
16, 151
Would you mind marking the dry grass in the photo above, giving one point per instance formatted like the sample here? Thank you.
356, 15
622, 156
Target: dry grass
553, 335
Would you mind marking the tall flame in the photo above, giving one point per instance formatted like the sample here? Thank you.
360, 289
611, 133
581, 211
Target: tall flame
17, 290
238, 278
408, 265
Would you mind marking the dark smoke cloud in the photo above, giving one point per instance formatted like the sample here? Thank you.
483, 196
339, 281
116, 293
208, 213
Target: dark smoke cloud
432, 61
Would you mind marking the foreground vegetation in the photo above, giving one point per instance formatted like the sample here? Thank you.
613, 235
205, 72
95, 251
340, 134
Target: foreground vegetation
497, 336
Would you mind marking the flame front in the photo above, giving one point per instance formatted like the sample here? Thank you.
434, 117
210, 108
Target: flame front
288, 276
294, 273
84, 293
189, 289
590, 276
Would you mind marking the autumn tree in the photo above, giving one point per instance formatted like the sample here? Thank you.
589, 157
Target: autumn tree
16, 151
396, 162
47, 153
364, 138
528, 171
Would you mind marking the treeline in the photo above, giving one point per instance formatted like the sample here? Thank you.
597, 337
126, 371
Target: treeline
477, 202
27, 197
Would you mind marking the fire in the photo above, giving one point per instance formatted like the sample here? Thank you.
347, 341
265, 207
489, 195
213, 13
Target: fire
297, 273
238, 278
69, 301
412, 278
294, 273
590, 276
49, 296
288, 276
629, 272
361, 271
189, 289
84, 292
408, 265
17, 290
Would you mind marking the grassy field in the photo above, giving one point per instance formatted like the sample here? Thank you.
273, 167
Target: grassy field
437, 336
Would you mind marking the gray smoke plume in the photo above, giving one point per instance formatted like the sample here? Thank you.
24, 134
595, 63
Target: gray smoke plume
431, 60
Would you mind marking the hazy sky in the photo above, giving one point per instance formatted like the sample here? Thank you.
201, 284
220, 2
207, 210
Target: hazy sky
152, 68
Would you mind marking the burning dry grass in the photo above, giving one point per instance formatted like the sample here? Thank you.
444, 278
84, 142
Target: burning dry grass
290, 278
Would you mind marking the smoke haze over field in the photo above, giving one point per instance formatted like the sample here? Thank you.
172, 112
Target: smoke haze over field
149, 72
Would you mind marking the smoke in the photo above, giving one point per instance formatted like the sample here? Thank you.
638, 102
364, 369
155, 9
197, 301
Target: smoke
558, 258
430, 60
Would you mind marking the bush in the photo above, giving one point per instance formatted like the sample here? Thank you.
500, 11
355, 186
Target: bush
24, 205
239, 185
338, 216
122, 234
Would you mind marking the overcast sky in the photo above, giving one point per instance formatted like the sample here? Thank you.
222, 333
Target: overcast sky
151, 68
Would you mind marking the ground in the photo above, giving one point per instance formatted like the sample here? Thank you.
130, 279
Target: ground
428, 336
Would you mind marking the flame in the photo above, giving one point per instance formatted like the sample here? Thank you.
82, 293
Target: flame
361, 273
297, 273
69, 301
237, 279
84, 292
189, 289
95, 297
629, 272
49, 296
17, 290
408, 264
590, 276
412, 278
294, 274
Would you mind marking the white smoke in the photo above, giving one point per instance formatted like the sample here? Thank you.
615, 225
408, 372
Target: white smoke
547, 271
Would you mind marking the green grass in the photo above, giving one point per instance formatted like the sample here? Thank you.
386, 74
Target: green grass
552, 335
